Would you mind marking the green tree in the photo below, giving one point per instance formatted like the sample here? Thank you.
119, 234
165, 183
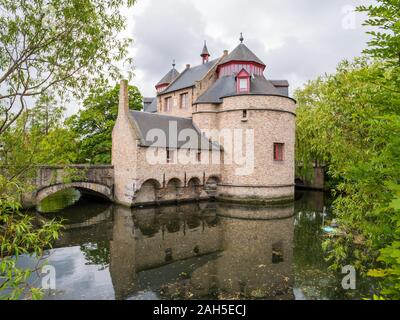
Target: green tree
351, 121
20, 234
95, 122
38, 137
58, 46
385, 18
46, 46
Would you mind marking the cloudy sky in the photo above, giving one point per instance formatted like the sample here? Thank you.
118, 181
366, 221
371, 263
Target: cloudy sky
297, 39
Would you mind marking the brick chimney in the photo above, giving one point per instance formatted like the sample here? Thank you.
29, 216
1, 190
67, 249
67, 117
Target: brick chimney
123, 107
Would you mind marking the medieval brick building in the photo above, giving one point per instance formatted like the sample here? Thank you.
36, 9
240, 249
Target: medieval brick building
217, 129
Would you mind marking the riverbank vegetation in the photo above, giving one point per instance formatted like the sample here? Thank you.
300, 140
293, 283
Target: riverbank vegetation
50, 52
350, 120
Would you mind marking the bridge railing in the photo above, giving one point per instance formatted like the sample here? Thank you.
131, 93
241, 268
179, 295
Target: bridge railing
49, 175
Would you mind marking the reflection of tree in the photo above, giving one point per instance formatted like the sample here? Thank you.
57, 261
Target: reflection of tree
59, 200
312, 272
308, 239
97, 254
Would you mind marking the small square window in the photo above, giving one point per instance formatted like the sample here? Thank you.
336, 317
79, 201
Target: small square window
243, 84
244, 115
279, 151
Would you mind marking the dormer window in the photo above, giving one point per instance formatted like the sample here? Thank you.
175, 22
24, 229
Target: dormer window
243, 82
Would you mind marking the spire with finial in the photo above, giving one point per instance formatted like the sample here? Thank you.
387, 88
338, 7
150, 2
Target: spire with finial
205, 54
241, 37
168, 78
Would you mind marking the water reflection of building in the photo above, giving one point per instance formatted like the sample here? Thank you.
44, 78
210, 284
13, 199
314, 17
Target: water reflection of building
256, 260
200, 254
84, 226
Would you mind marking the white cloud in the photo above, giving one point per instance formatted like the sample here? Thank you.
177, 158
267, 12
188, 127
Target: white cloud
297, 40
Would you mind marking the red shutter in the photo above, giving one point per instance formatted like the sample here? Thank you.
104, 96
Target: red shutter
278, 151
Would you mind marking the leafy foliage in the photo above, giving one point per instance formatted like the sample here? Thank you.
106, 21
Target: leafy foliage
48, 48
20, 234
390, 256
58, 46
38, 137
351, 121
95, 122
385, 43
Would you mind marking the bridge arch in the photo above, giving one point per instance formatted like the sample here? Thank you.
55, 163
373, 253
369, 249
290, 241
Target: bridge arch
93, 188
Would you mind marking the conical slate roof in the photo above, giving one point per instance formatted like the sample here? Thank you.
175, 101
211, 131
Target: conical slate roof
242, 53
169, 77
205, 50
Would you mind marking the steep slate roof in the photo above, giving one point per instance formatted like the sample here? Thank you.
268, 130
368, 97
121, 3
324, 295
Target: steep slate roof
282, 86
205, 50
280, 83
169, 77
148, 99
188, 77
150, 105
226, 87
241, 53
145, 122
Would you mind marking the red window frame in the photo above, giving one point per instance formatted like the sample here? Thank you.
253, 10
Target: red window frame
247, 89
243, 75
279, 150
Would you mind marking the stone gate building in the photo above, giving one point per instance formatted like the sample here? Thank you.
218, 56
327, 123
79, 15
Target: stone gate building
218, 129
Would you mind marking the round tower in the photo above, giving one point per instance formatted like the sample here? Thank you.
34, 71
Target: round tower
259, 167
256, 121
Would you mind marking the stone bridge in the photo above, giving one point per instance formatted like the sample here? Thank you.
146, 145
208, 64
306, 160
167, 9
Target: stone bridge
98, 180
95, 180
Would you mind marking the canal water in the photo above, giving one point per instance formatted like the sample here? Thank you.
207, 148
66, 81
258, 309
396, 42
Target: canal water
193, 251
